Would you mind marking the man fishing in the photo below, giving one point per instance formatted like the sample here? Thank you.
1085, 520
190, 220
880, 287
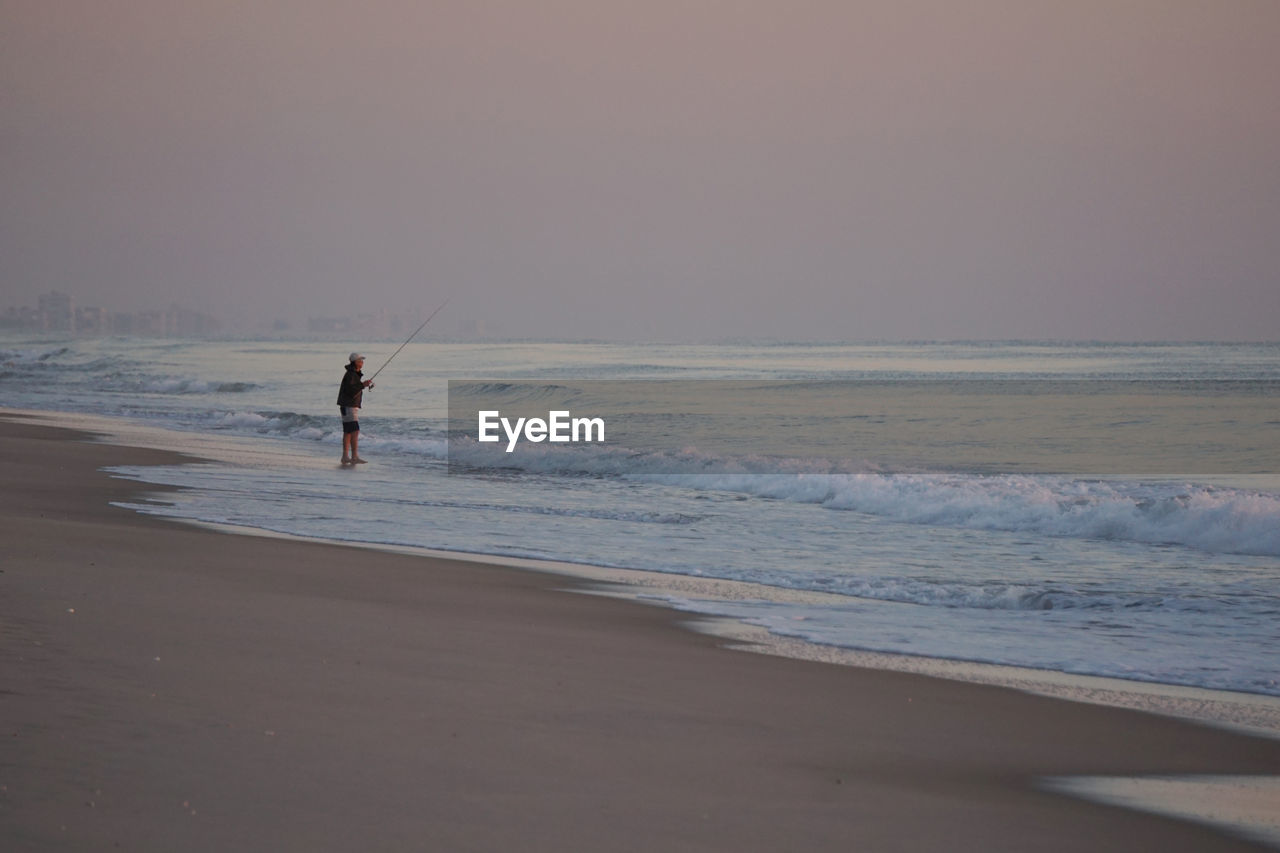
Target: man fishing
351, 393
350, 396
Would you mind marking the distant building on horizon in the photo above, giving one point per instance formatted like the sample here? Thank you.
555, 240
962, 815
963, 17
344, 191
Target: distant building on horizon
57, 312
92, 321
383, 324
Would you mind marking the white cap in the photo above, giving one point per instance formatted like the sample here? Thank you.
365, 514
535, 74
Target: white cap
355, 356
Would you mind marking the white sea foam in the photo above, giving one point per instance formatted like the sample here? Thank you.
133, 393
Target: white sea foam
242, 419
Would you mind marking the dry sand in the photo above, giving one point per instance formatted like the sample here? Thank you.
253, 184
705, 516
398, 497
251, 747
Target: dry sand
165, 687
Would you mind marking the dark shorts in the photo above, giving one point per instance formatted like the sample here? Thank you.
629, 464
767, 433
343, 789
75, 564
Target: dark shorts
350, 418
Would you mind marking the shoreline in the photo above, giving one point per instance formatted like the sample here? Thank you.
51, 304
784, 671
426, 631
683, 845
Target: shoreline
179, 687
1256, 714
1250, 713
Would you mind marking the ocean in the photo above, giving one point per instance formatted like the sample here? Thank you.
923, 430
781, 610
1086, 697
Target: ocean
1134, 533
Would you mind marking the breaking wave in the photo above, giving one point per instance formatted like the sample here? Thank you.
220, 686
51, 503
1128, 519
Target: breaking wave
1208, 518
187, 385
287, 424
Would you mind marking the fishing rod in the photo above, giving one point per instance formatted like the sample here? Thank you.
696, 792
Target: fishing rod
411, 337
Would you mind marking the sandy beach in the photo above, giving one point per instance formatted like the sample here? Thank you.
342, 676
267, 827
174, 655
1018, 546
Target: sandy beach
166, 687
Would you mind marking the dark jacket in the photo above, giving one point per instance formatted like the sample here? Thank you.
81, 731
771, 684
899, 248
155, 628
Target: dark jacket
351, 392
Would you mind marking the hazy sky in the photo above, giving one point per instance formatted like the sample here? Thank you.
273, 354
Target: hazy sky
655, 169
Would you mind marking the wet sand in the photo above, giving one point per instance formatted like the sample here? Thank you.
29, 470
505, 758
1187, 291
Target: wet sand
167, 687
